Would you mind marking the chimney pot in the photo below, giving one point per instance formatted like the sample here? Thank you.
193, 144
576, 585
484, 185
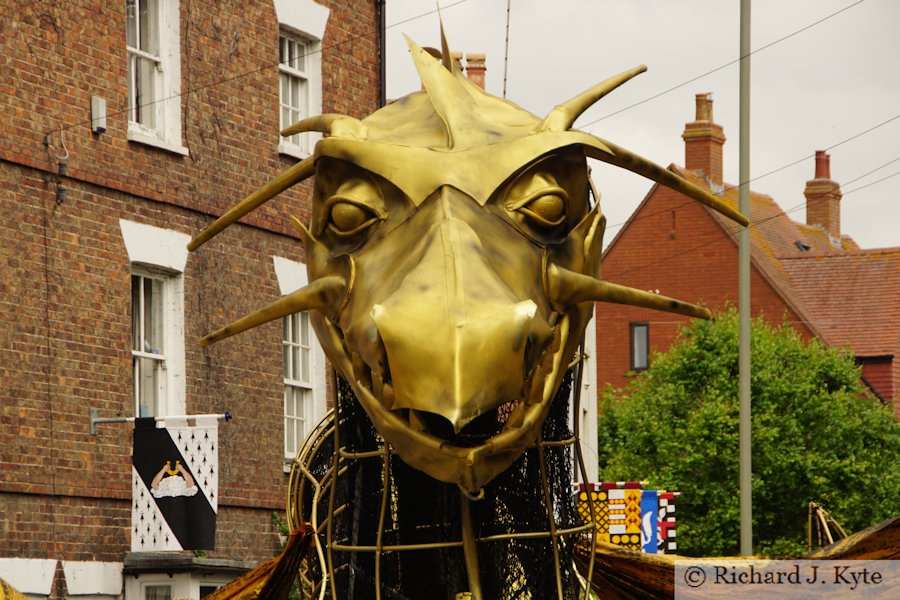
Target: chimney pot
475, 68
704, 107
823, 199
823, 165
703, 141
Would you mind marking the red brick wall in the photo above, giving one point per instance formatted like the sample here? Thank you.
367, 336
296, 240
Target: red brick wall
65, 275
673, 245
881, 374
91, 528
895, 368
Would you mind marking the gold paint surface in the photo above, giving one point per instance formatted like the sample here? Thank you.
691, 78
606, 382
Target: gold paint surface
453, 254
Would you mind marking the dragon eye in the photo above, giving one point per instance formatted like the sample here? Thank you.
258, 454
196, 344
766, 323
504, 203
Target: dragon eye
347, 218
547, 210
545, 207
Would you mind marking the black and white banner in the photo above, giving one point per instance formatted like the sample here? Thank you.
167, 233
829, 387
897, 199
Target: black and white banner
175, 473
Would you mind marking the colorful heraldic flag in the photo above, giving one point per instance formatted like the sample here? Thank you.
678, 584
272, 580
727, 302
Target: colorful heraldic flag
632, 539
629, 515
667, 523
649, 521
175, 485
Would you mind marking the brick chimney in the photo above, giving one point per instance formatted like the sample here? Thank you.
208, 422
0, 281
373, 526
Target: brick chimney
823, 198
475, 69
703, 141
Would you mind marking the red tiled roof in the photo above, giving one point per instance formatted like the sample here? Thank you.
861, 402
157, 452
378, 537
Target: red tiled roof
849, 297
854, 299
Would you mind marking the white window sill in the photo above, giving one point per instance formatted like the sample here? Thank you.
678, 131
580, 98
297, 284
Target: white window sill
142, 138
287, 464
292, 150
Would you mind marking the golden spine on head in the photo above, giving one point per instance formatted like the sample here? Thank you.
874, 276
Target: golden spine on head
321, 293
563, 116
332, 124
295, 174
567, 287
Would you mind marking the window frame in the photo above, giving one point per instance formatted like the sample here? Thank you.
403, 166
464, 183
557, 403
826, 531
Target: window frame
136, 587
136, 54
304, 20
298, 109
162, 126
298, 391
291, 275
633, 328
182, 584
158, 358
162, 253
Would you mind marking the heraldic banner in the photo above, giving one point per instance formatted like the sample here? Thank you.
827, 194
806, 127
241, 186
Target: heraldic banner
175, 491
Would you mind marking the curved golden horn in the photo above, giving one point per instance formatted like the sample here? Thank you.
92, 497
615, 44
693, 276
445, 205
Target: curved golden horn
567, 287
320, 294
303, 169
332, 124
640, 165
563, 116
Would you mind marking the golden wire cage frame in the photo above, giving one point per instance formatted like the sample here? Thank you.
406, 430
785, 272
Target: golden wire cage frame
305, 487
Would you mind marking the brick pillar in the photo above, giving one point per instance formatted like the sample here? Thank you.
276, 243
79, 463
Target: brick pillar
823, 198
703, 141
475, 69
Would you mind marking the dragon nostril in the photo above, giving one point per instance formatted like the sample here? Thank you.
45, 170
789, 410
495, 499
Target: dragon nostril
475, 433
435, 424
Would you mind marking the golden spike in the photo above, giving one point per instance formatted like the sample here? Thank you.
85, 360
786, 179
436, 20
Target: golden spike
318, 295
567, 287
563, 116
332, 124
303, 169
640, 165
451, 101
446, 56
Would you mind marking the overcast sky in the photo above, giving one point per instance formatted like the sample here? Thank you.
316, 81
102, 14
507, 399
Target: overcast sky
824, 85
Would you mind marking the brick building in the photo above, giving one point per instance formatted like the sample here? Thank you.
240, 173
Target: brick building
808, 274
127, 126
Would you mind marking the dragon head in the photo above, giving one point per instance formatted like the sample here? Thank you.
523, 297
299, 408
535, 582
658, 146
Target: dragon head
453, 254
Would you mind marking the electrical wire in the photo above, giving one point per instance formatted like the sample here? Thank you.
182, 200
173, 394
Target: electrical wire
732, 235
862, 187
265, 67
645, 100
437, 10
728, 64
459, 2
855, 179
782, 168
506, 47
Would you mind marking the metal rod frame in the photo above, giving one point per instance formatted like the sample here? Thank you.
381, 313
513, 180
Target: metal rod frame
95, 420
328, 429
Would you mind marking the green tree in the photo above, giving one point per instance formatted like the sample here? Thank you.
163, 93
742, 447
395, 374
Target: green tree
817, 435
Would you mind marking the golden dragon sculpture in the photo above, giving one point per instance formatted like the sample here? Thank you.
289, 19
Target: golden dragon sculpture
453, 255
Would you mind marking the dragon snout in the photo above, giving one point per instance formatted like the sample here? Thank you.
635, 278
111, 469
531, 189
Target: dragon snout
471, 364
480, 333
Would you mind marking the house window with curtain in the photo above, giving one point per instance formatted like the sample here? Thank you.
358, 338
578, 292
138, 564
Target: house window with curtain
298, 387
294, 86
640, 346
144, 62
153, 47
301, 29
157, 258
148, 343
